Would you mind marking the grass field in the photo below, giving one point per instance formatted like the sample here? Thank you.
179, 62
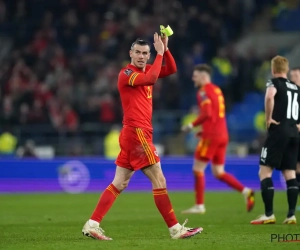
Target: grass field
54, 221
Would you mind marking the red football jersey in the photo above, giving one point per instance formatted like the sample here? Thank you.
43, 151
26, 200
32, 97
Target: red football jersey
135, 87
212, 111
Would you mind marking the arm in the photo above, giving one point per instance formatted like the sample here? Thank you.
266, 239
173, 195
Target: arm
269, 102
206, 112
149, 78
298, 122
170, 65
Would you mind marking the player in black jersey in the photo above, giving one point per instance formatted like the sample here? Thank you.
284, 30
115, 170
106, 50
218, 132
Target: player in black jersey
295, 77
281, 146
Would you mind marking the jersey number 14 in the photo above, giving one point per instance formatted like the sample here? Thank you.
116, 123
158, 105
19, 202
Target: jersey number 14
293, 106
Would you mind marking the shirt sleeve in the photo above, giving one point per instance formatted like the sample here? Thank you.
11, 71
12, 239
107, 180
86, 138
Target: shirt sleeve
133, 78
205, 109
271, 83
170, 65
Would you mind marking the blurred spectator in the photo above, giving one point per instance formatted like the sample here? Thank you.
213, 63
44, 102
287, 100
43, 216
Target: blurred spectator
24, 114
244, 78
111, 143
107, 113
260, 122
285, 15
263, 69
8, 143
8, 114
222, 68
69, 118
191, 139
257, 144
197, 55
75, 150
27, 151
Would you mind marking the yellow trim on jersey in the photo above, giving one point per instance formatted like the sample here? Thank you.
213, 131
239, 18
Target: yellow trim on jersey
207, 101
146, 147
203, 147
132, 78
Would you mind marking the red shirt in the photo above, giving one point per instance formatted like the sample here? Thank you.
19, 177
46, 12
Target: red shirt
135, 87
212, 111
71, 120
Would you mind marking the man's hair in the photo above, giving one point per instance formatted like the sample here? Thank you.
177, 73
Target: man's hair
203, 68
296, 68
141, 42
280, 64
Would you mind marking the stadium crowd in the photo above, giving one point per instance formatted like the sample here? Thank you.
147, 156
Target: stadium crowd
62, 63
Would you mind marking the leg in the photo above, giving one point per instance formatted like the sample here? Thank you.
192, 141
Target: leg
298, 174
219, 172
202, 156
289, 163
199, 173
271, 158
298, 166
267, 193
267, 188
230, 180
120, 182
145, 157
292, 194
161, 197
199, 187
163, 203
218, 162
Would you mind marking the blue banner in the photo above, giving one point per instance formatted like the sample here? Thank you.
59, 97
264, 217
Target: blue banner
76, 175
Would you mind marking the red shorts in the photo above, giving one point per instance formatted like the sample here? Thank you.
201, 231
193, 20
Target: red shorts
137, 149
212, 149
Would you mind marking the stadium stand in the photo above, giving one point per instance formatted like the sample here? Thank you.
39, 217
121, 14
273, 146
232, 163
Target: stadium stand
59, 62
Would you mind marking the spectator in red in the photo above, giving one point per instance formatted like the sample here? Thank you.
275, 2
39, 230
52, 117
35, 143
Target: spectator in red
43, 94
37, 114
39, 44
70, 118
107, 112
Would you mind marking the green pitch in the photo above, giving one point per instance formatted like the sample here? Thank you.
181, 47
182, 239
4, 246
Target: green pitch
54, 221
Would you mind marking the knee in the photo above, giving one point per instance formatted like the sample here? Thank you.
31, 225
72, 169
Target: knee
120, 184
265, 172
298, 168
199, 166
156, 176
159, 181
289, 174
218, 171
262, 175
